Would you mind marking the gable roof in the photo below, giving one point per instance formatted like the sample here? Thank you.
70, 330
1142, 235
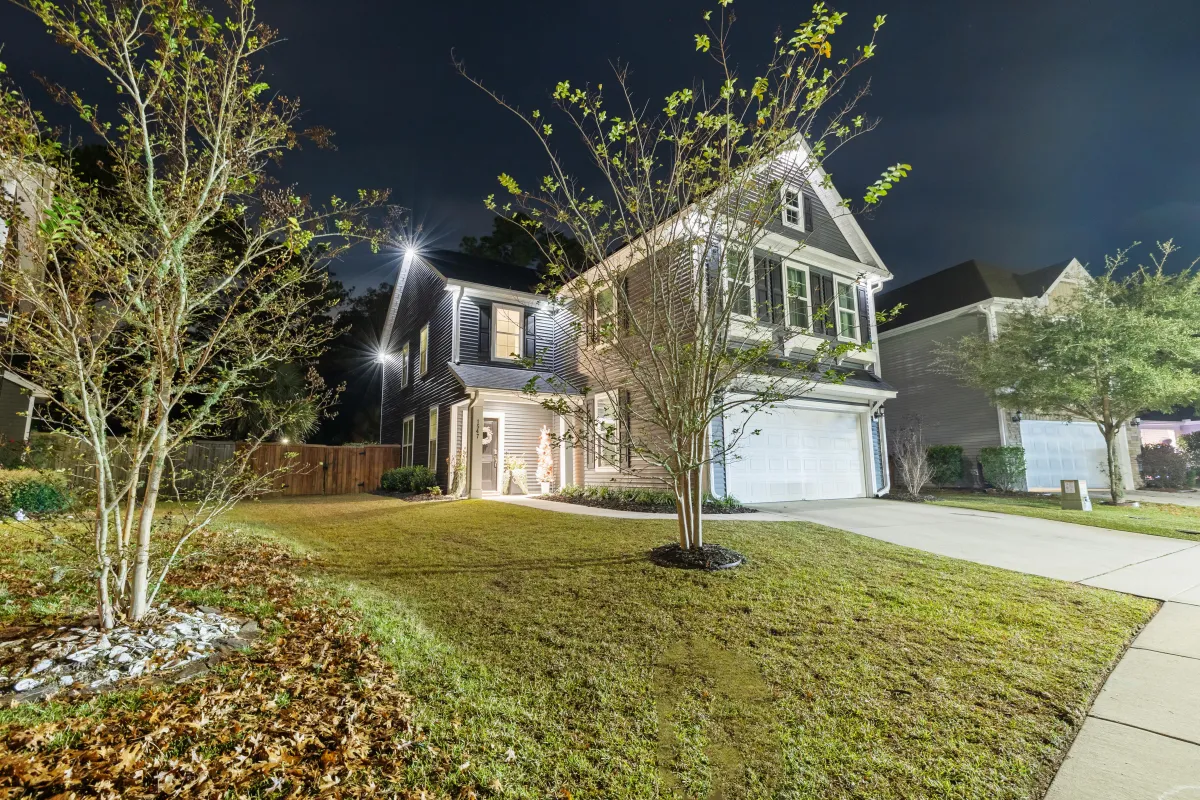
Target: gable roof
456, 266
511, 379
963, 285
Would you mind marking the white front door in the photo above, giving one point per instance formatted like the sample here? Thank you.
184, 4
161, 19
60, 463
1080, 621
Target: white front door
1056, 451
800, 454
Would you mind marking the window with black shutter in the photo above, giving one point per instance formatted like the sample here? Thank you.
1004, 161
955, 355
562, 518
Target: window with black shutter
485, 332
530, 335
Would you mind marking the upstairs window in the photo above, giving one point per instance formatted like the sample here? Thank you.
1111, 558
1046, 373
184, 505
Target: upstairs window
797, 298
407, 434
793, 207
739, 282
404, 367
605, 306
424, 349
847, 309
508, 324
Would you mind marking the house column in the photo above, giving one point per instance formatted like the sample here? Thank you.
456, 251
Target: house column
577, 450
475, 447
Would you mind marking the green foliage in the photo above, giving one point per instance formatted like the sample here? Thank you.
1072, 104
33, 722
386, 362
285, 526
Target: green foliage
642, 497
408, 479
33, 491
1190, 444
946, 461
1004, 467
1165, 466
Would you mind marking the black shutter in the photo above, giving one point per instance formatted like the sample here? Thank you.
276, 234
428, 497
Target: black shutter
626, 413
625, 320
776, 286
762, 289
823, 300
712, 276
530, 336
590, 436
589, 317
864, 315
806, 201
485, 332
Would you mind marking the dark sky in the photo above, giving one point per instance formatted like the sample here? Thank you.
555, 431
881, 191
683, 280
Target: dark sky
1038, 130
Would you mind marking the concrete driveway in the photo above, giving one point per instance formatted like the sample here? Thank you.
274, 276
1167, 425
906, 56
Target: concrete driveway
1148, 566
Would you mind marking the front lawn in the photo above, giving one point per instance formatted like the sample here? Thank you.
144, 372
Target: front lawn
548, 658
1158, 519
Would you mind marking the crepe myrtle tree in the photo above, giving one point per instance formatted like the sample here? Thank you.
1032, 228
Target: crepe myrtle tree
1113, 348
676, 199
162, 297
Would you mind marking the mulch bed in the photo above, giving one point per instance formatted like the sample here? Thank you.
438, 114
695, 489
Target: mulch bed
414, 497
311, 710
710, 557
650, 508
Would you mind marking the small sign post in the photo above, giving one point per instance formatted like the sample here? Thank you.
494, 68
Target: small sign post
1075, 496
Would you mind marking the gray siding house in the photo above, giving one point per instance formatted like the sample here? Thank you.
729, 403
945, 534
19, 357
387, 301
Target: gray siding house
970, 299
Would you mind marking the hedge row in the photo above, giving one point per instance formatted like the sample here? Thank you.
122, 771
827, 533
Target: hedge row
33, 491
408, 479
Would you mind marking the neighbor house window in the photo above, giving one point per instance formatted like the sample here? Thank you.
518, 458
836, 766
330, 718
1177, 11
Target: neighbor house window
797, 298
424, 349
431, 459
407, 434
793, 207
847, 306
739, 282
508, 324
605, 306
608, 432
404, 366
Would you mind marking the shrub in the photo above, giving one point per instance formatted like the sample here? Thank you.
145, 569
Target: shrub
946, 463
1165, 466
36, 492
1004, 467
408, 479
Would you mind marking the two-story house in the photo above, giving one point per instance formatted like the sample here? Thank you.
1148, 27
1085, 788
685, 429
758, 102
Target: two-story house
453, 387
457, 331
22, 195
968, 299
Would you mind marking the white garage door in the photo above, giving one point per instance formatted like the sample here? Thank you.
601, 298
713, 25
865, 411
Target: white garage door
800, 454
1057, 451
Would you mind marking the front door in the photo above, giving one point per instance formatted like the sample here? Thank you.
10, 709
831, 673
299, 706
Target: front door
491, 453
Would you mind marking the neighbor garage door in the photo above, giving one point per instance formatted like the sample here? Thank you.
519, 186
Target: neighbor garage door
800, 454
1056, 451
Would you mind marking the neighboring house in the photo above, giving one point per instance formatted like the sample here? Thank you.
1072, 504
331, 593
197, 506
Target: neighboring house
1157, 427
19, 193
453, 390
968, 299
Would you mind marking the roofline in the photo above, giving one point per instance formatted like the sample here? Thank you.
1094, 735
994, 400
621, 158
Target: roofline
37, 391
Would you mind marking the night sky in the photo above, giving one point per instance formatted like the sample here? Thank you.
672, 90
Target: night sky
1038, 131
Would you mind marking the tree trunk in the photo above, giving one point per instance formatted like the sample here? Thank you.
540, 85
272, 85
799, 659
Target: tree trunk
1116, 482
688, 507
139, 596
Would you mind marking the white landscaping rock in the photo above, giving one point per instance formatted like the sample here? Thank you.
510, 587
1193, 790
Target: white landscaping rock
25, 684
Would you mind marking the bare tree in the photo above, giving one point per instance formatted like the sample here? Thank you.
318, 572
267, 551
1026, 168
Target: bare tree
162, 298
682, 195
910, 454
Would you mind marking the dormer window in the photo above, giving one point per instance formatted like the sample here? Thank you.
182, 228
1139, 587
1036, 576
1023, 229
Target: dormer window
793, 207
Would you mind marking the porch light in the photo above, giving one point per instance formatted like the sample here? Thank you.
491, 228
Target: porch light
1137, 421
1017, 416
382, 357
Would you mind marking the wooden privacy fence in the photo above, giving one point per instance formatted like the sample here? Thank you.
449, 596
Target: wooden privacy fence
315, 469
327, 469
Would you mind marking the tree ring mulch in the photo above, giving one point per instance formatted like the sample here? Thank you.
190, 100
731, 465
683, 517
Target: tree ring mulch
709, 557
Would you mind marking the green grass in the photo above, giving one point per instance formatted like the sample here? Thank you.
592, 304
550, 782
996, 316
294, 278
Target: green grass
1157, 519
550, 659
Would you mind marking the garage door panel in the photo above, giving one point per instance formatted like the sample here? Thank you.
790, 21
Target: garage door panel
1057, 451
801, 454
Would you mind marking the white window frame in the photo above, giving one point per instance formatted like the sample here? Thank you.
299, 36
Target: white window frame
748, 283
787, 293
496, 355
423, 345
599, 319
408, 433
404, 366
790, 206
431, 457
602, 441
840, 309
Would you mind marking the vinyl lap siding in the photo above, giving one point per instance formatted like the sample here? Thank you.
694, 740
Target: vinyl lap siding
825, 234
14, 406
877, 455
522, 431
949, 412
